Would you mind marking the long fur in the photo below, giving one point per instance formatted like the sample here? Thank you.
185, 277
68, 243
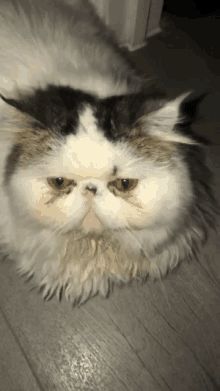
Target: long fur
55, 42
72, 107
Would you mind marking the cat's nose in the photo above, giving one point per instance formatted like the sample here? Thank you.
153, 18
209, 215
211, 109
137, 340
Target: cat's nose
92, 188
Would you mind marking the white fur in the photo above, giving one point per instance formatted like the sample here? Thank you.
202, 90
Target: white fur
59, 49
38, 234
162, 122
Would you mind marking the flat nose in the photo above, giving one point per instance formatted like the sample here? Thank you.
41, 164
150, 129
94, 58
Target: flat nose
92, 188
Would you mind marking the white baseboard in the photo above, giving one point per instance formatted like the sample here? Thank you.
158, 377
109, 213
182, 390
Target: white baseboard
132, 48
132, 20
154, 32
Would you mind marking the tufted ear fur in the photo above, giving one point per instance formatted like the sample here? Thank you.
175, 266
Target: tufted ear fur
172, 120
163, 122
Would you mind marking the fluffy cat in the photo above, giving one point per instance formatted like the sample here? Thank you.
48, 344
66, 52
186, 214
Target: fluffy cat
100, 181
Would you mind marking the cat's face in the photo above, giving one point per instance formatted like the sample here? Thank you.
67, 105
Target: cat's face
86, 181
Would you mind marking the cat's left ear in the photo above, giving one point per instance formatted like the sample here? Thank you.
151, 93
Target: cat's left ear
172, 121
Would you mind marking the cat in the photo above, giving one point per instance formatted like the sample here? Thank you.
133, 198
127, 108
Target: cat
102, 180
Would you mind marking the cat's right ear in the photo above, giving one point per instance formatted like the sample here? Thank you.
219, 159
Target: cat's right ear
172, 121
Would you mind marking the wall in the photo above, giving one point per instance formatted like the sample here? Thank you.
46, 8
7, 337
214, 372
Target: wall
132, 20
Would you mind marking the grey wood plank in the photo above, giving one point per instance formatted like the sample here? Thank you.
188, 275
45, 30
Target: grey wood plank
174, 326
15, 372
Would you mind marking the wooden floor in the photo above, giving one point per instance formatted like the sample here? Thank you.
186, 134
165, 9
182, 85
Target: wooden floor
159, 336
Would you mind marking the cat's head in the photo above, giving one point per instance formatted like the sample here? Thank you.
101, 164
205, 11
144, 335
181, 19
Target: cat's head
81, 163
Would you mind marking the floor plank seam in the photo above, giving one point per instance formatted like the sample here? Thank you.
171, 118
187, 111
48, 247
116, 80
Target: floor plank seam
41, 388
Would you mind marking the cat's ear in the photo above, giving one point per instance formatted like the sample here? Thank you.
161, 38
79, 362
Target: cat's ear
17, 116
172, 120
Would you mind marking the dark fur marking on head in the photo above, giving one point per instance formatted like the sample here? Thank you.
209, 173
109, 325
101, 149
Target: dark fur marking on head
117, 116
57, 108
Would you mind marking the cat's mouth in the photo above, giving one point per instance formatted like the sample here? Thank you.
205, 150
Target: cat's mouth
91, 223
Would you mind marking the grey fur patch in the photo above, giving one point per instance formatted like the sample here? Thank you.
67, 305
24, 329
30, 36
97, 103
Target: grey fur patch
12, 162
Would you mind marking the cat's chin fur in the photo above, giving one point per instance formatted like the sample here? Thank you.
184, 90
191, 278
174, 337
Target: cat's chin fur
81, 265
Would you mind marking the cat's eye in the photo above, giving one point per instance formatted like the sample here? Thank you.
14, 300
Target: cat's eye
60, 184
124, 185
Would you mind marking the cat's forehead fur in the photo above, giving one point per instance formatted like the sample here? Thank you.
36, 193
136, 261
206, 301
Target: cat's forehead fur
93, 129
93, 151
90, 153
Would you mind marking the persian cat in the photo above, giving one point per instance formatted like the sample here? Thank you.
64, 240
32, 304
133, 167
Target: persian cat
101, 180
